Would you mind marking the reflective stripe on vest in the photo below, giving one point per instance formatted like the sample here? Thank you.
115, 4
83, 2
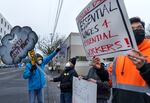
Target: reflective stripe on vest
126, 76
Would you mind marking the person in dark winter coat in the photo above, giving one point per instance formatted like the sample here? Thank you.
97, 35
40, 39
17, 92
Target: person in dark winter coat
100, 76
66, 81
131, 73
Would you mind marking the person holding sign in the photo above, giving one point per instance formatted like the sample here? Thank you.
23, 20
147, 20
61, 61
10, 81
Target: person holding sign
66, 81
97, 74
36, 79
131, 73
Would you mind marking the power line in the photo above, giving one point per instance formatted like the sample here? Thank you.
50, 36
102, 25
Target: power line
57, 18
57, 13
59, 7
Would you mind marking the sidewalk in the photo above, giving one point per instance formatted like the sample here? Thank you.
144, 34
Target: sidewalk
51, 92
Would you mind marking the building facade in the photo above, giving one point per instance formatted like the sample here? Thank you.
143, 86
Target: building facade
73, 47
5, 26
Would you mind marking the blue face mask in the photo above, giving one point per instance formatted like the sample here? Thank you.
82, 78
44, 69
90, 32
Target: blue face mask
139, 35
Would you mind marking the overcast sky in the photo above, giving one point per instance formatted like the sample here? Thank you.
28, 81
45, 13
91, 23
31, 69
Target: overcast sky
40, 14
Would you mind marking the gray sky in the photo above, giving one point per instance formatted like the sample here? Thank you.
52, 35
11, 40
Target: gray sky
40, 14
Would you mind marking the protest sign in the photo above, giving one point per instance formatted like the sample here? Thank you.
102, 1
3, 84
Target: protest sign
16, 45
84, 91
105, 29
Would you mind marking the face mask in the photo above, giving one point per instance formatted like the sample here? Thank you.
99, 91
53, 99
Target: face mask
139, 35
67, 64
39, 62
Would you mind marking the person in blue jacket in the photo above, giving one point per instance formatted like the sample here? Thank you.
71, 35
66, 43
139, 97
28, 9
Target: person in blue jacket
36, 79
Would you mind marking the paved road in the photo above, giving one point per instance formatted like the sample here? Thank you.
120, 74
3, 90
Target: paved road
13, 88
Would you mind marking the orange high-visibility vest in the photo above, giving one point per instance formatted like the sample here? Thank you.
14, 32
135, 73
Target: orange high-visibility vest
126, 76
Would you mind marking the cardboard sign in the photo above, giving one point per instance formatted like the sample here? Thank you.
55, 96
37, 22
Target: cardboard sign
84, 91
105, 29
15, 46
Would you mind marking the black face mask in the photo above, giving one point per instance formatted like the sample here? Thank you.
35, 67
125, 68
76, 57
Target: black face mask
139, 35
68, 68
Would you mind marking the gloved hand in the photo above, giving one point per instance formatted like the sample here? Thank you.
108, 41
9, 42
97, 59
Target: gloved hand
57, 50
33, 68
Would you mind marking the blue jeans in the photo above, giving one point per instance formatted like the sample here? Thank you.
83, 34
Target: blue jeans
33, 94
66, 98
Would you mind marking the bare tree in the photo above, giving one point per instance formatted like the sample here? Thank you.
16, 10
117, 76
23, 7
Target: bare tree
46, 46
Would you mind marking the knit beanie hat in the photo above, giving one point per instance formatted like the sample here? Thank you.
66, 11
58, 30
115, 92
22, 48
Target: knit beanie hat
37, 56
73, 60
